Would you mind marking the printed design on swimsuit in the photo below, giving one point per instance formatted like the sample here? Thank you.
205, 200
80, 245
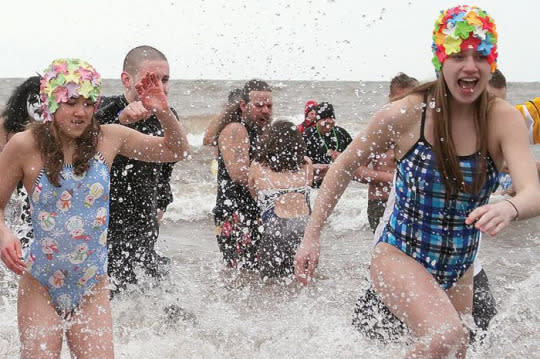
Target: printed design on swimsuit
427, 226
69, 253
266, 199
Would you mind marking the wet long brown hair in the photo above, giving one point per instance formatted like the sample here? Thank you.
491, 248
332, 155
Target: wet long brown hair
444, 147
50, 146
282, 147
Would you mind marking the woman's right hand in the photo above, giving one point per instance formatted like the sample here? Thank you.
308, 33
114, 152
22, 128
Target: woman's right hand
11, 253
307, 258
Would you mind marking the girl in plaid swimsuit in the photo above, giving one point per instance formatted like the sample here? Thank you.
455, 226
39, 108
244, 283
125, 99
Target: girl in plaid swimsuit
449, 146
428, 226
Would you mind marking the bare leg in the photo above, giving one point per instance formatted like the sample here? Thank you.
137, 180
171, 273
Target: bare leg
40, 327
414, 296
90, 331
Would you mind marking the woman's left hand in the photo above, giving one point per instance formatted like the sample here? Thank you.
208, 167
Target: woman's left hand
492, 218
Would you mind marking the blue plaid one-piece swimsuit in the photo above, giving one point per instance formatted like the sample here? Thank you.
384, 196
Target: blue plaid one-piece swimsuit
69, 253
426, 225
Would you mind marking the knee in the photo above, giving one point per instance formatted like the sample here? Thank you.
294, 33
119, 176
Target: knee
448, 341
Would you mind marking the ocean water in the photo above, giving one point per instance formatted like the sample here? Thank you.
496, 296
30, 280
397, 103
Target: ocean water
227, 314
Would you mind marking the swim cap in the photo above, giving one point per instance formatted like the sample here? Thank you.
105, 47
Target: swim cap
65, 79
310, 105
464, 27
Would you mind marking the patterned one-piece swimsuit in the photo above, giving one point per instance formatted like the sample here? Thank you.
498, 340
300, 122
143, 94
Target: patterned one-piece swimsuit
426, 225
68, 255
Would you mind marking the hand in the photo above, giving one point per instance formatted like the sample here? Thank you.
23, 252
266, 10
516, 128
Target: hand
334, 154
159, 216
319, 171
133, 112
11, 254
306, 259
151, 94
492, 218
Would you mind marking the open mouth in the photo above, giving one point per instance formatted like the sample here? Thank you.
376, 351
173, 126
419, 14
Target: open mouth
467, 84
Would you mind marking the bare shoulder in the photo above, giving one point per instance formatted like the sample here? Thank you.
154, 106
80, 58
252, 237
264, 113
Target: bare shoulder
401, 113
502, 112
234, 129
23, 141
234, 133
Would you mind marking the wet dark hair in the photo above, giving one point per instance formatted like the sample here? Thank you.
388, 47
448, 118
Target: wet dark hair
282, 147
402, 81
254, 85
497, 79
139, 54
15, 115
234, 96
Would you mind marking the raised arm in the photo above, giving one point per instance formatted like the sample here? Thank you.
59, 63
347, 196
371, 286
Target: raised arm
173, 146
11, 172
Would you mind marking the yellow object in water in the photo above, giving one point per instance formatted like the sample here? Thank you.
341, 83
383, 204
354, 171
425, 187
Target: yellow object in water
531, 113
214, 167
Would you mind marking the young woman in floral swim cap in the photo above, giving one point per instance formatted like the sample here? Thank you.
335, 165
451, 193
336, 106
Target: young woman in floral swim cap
64, 164
450, 143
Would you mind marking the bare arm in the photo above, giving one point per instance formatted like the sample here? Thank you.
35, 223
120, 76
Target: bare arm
11, 172
511, 141
368, 175
252, 176
210, 134
234, 147
377, 140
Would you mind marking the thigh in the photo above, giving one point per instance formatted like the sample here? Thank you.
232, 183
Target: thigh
411, 292
40, 327
90, 330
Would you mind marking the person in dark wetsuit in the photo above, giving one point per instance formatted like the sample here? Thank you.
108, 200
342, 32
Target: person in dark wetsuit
236, 213
140, 191
325, 141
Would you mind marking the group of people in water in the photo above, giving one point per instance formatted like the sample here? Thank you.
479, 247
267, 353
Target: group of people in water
96, 173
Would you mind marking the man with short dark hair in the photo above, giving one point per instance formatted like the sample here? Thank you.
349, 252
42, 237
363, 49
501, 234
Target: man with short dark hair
140, 191
400, 85
236, 213
497, 84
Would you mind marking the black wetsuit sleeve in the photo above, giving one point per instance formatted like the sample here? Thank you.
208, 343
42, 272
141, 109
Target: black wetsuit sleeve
109, 109
345, 138
315, 149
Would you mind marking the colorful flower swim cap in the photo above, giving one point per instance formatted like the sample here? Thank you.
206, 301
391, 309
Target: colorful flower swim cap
65, 79
461, 28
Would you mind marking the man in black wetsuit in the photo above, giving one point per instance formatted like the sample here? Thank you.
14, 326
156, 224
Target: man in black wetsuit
140, 191
236, 213
325, 141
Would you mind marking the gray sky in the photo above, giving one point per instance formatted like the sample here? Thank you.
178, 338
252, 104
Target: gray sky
239, 39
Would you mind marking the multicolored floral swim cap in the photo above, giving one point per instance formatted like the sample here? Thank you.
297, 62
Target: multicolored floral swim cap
65, 79
464, 27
